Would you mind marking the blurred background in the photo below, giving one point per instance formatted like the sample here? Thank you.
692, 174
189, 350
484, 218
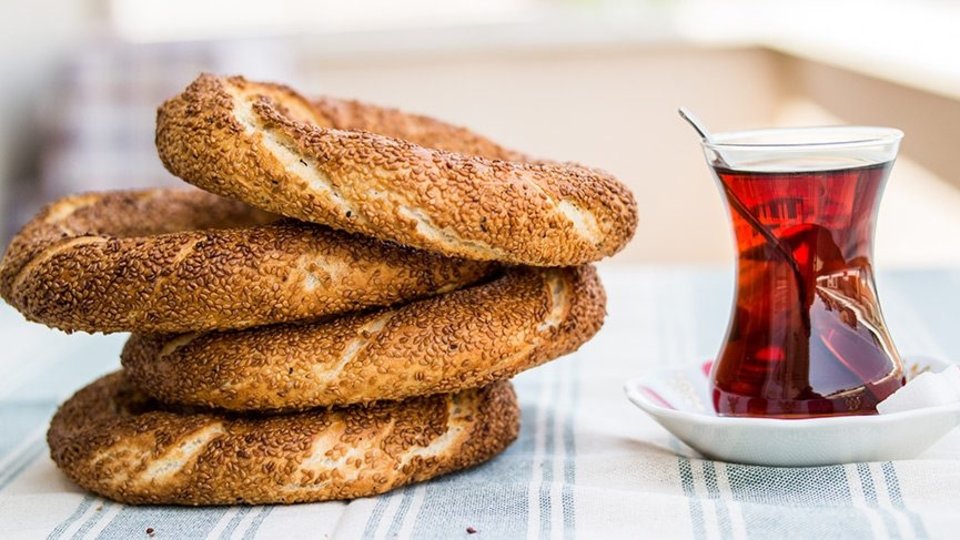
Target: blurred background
595, 81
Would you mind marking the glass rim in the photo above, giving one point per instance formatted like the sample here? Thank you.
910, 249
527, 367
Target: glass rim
857, 136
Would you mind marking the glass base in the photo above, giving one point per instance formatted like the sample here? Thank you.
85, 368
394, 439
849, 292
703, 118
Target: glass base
858, 401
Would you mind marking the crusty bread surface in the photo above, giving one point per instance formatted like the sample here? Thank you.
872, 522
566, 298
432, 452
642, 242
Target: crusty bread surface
114, 441
352, 115
167, 260
464, 339
270, 147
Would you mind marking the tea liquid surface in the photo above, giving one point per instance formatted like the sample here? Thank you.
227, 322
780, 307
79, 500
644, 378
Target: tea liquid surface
807, 337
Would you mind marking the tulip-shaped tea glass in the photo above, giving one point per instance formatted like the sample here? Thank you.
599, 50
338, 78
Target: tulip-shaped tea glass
806, 336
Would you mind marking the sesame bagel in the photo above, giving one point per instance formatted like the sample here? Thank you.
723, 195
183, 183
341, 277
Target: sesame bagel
268, 146
116, 442
175, 261
464, 339
352, 115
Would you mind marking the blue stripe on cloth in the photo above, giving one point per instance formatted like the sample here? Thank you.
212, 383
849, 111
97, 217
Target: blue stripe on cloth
93, 520
570, 452
896, 498
491, 498
394, 530
21, 462
373, 521
70, 365
696, 508
723, 513
923, 292
257, 522
667, 329
85, 503
21, 419
713, 297
777, 502
546, 507
870, 494
232, 525
21, 413
177, 522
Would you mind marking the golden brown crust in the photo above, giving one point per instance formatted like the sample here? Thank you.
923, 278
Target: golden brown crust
351, 115
446, 343
113, 441
268, 146
162, 261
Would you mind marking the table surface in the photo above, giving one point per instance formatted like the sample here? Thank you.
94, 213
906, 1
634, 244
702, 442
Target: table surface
587, 463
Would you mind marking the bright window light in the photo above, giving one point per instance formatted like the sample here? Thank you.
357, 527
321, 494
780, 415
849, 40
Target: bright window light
149, 20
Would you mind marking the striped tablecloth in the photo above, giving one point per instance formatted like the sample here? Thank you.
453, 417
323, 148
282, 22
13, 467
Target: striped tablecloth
587, 463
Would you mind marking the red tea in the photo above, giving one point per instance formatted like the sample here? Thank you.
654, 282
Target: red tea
807, 337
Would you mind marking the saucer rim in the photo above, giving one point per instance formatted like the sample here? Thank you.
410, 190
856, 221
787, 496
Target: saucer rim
630, 387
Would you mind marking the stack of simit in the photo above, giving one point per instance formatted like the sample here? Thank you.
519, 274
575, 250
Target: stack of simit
337, 315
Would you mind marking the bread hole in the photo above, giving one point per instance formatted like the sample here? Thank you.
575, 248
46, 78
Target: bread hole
559, 299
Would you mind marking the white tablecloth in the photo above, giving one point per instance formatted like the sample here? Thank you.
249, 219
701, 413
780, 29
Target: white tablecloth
587, 463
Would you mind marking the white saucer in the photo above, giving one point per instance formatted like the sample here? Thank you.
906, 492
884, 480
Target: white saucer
678, 400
